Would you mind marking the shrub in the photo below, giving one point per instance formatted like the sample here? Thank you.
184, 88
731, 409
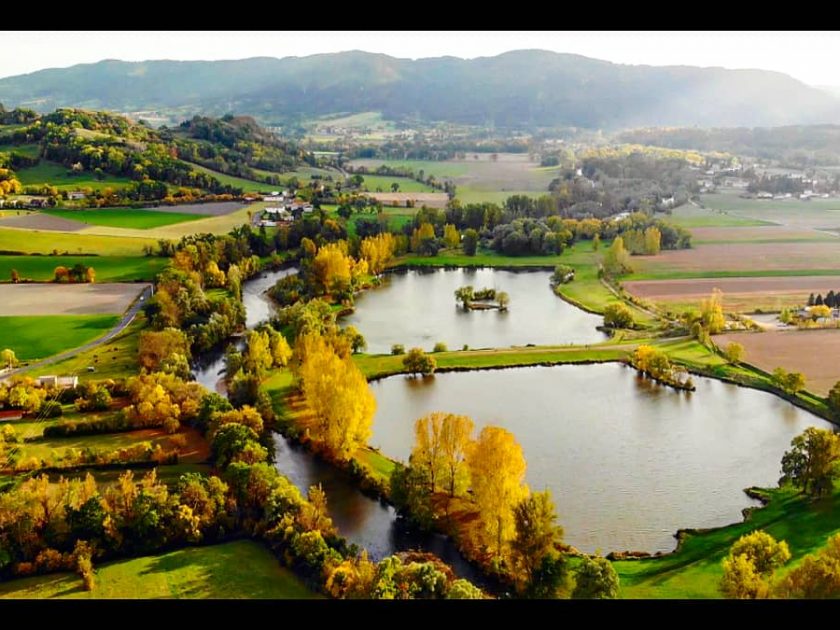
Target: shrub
397, 349
439, 347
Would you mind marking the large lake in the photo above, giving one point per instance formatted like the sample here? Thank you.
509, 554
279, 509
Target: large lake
417, 308
628, 462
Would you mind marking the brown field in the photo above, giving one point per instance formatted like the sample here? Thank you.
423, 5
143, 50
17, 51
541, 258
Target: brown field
762, 233
746, 257
811, 352
68, 299
739, 294
38, 221
431, 200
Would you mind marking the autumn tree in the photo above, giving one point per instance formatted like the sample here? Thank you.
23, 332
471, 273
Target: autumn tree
418, 362
652, 239
423, 239
711, 313
331, 269
817, 576
340, 399
90, 275
440, 447
748, 568
503, 300
451, 236
377, 251
789, 382
257, 358
595, 579
734, 352
15, 276
617, 315
464, 295
616, 260
281, 352
497, 472
536, 533
8, 358
811, 462
153, 347
61, 274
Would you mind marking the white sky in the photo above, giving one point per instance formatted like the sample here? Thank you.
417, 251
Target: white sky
810, 56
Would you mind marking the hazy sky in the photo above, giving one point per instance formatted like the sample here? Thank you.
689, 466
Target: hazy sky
810, 56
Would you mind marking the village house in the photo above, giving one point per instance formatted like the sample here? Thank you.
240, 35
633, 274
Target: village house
59, 382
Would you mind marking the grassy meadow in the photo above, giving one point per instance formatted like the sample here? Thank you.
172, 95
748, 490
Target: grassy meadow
37, 337
108, 268
125, 217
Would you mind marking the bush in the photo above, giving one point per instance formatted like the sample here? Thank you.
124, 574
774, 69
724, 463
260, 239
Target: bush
617, 315
397, 349
439, 347
51, 409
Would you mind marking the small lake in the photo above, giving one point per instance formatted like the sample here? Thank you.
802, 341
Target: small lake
417, 308
628, 462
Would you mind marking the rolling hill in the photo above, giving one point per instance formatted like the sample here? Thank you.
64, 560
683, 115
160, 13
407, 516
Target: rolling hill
519, 88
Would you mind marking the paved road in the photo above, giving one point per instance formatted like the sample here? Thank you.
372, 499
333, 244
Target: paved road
116, 330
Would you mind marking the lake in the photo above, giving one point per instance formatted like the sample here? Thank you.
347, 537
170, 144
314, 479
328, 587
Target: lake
629, 462
417, 308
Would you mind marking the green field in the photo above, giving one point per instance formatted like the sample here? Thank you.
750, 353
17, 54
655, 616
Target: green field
29, 150
689, 216
230, 180
382, 183
57, 175
125, 217
43, 242
108, 268
815, 213
44, 448
36, 337
241, 569
115, 359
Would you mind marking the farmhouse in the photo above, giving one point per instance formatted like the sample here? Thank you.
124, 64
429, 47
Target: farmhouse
60, 382
75, 195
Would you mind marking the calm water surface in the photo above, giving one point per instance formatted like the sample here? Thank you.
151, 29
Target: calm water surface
417, 308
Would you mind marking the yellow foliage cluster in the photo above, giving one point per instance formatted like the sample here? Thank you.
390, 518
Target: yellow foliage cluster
377, 251
339, 396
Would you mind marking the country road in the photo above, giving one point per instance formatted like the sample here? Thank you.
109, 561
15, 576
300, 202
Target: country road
129, 316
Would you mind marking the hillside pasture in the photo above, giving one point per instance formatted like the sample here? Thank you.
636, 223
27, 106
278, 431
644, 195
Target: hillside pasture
762, 234
382, 183
68, 299
54, 174
811, 352
36, 337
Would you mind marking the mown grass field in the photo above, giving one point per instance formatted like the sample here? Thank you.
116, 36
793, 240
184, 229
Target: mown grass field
102, 442
37, 337
115, 359
382, 183
108, 268
29, 150
54, 174
691, 216
34, 242
240, 569
125, 217
246, 185
814, 213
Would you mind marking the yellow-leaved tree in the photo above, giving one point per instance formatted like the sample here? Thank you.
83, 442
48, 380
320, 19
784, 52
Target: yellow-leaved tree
339, 397
497, 471
377, 251
331, 268
711, 313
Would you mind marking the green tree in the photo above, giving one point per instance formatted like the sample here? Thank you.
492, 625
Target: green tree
470, 242
617, 315
418, 362
595, 579
811, 462
464, 295
503, 300
616, 259
834, 399
536, 534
